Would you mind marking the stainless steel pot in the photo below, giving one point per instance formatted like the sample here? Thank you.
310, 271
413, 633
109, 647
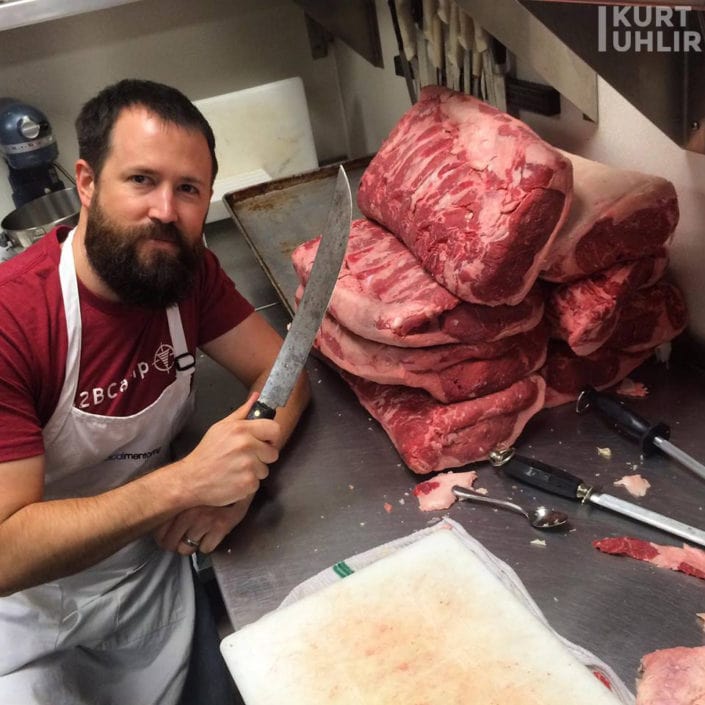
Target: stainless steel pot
35, 219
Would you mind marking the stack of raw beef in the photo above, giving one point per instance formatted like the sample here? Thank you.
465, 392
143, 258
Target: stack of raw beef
609, 306
440, 322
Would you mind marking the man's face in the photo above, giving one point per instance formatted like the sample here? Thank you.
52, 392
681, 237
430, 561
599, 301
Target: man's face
147, 210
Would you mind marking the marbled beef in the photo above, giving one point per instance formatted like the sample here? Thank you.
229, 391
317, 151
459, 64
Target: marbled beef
615, 216
475, 194
585, 313
431, 436
566, 373
383, 294
653, 316
448, 372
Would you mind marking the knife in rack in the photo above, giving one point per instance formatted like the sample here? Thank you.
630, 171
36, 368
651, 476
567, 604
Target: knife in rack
562, 483
307, 320
650, 437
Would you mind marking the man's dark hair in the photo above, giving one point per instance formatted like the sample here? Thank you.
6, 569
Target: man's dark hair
95, 122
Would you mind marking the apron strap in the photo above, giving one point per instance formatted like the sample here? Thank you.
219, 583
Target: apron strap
185, 362
72, 308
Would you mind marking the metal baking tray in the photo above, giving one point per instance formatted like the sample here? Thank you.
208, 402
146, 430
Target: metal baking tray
277, 216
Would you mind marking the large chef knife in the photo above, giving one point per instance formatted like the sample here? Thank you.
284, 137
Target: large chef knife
564, 484
324, 274
649, 436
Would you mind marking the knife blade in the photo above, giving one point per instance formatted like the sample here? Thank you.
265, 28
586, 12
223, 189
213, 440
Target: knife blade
650, 437
564, 484
307, 320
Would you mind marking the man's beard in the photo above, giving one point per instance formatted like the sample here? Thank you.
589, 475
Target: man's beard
156, 280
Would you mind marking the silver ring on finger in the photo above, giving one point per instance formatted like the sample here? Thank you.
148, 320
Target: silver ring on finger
190, 542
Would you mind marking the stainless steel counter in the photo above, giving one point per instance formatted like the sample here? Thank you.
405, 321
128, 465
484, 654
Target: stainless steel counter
325, 500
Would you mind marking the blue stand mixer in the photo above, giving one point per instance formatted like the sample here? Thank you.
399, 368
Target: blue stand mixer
29, 148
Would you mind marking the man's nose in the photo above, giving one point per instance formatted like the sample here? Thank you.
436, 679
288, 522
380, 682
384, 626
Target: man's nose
162, 207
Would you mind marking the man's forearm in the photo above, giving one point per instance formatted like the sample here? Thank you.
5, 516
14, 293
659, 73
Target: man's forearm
47, 540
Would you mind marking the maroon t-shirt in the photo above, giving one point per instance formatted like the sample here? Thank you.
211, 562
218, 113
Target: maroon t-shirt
127, 356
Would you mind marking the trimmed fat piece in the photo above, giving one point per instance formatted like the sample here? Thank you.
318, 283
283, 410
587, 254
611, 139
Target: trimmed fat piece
383, 294
672, 677
636, 485
615, 216
475, 194
437, 493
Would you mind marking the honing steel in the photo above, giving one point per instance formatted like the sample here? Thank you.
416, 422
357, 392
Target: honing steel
649, 436
324, 274
562, 483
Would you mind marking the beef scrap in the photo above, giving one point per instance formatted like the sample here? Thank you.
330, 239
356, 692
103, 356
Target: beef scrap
685, 559
475, 194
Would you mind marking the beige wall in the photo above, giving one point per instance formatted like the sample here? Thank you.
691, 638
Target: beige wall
203, 47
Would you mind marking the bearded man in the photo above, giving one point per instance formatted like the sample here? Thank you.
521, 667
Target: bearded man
99, 329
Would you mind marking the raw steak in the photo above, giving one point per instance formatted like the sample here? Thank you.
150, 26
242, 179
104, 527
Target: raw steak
383, 294
431, 436
437, 493
448, 372
566, 374
585, 313
615, 216
475, 194
672, 677
651, 317
687, 559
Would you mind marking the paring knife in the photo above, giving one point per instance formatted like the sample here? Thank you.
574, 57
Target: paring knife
649, 436
562, 483
324, 274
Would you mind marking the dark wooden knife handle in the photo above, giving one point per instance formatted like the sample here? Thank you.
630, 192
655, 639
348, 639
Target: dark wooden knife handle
260, 410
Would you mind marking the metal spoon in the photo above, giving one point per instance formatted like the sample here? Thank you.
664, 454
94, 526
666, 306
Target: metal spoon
539, 518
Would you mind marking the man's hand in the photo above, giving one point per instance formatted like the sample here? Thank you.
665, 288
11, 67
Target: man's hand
206, 526
231, 459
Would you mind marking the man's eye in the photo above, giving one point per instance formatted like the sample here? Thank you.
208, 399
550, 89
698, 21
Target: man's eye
138, 178
189, 188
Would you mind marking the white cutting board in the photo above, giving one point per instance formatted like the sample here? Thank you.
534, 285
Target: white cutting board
429, 624
261, 133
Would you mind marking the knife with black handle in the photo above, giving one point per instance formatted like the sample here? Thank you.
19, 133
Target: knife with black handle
564, 484
309, 314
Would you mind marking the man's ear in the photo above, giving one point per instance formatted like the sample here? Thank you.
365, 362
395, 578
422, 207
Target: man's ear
85, 182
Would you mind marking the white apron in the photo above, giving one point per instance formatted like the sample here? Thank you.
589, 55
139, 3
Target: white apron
118, 633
